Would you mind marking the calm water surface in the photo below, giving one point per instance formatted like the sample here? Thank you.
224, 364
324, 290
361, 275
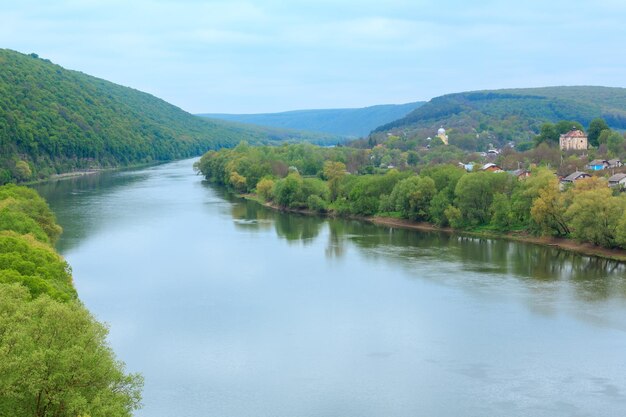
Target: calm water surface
229, 309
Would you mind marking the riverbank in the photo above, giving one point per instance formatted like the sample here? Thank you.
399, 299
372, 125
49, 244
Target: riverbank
569, 245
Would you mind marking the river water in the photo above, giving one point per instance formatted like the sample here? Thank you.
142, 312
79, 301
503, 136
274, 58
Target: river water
230, 309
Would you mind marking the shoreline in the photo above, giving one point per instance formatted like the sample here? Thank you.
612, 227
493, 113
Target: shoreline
569, 245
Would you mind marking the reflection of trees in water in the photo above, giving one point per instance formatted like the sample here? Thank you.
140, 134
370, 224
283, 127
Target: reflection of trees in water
294, 227
592, 279
251, 215
76, 214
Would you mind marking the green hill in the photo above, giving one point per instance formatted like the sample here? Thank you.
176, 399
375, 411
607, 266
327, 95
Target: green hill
346, 122
512, 114
55, 120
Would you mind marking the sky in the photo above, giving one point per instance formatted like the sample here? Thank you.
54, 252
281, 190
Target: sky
272, 55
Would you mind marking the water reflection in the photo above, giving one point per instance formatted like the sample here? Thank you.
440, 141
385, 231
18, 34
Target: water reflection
72, 200
592, 279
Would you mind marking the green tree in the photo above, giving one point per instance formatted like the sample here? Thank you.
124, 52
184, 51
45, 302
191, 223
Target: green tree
265, 189
412, 196
334, 172
548, 134
548, 211
594, 216
55, 361
474, 195
596, 126
501, 218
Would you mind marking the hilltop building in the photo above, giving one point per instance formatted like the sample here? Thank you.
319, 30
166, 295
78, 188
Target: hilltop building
441, 134
573, 140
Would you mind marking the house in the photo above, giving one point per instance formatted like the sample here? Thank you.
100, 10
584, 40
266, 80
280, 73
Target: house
615, 163
575, 177
575, 140
520, 173
598, 165
468, 167
618, 180
490, 167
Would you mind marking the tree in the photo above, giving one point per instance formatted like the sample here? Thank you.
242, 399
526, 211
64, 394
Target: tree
411, 197
501, 218
548, 134
565, 126
22, 171
474, 195
596, 126
594, 216
334, 172
265, 189
55, 361
548, 211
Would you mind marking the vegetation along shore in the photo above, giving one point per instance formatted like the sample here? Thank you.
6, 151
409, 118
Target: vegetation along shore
431, 190
54, 357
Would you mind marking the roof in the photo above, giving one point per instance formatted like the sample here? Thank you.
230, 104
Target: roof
489, 165
575, 175
614, 161
574, 133
617, 177
598, 162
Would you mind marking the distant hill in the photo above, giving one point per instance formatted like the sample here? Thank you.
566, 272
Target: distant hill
346, 122
513, 114
55, 120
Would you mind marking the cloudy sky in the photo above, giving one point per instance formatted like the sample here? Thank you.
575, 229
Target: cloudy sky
275, 55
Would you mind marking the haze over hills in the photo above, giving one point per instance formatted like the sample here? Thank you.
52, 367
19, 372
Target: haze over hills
512, 114
56, 120
346, 122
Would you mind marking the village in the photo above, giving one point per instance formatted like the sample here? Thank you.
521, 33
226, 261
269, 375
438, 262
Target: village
575, 141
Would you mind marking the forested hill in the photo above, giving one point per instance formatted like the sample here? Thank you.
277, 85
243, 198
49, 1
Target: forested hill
55, 120
515, 114
348, 122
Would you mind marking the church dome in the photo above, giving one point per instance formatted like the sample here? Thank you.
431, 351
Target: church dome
441, 131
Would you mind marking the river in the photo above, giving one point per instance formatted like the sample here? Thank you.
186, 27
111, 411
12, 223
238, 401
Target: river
230, 309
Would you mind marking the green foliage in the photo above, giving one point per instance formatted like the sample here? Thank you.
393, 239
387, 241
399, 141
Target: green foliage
474, 195
594, 214
55, 120
596, 126
412, 197
55, 361
265, 189
443, 194
27, 202
498, 116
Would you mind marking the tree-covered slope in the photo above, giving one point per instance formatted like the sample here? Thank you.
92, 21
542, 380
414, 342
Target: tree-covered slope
347, 122
515, 114
54, 120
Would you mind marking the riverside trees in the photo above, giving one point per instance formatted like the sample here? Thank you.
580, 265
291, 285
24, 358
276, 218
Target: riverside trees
443, 194
54, 358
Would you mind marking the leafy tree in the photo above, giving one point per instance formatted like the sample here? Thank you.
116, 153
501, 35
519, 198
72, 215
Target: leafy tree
474, 195
565, 126
288, 191
596, 126
548, 211
412, 196
265, 189
594, 216
55, 361
548, 134
501, 218
334, 172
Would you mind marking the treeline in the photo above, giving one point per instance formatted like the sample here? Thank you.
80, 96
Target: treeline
499, 116
54, 358
54, 120
316, 179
